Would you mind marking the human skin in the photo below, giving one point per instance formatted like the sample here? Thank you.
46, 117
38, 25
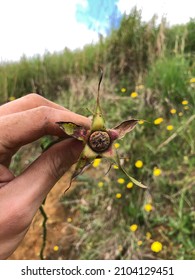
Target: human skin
23, 121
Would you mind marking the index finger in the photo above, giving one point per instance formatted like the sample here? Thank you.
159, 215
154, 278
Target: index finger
27, 102
25, 127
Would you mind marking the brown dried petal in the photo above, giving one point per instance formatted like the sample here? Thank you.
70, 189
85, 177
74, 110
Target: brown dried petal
125, 127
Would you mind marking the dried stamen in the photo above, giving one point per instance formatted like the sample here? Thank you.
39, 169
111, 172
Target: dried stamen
99, 141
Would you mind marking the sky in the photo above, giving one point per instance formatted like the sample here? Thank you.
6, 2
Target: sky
31, 27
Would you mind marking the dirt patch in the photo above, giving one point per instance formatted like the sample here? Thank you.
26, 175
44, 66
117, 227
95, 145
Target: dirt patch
60, 232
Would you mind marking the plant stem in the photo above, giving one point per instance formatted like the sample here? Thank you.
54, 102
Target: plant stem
44, 226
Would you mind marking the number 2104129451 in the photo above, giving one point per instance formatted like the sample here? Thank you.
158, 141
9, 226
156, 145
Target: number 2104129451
143, 270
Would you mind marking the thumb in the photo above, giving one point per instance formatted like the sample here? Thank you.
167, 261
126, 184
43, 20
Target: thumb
30, 188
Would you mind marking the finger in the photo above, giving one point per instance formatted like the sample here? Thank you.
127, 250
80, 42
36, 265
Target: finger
25, 127
27, 191
5, 175
27, 102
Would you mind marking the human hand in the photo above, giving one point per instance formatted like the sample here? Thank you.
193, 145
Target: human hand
21, 122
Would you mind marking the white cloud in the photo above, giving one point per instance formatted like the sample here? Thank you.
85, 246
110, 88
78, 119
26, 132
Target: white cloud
32, 27
175, 11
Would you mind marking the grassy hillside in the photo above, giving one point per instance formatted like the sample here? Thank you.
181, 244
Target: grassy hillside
149, 75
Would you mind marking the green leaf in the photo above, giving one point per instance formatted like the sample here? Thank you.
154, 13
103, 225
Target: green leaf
137, 183
73, 130
85, 159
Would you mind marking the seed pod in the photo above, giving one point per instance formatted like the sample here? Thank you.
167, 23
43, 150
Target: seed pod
99, 141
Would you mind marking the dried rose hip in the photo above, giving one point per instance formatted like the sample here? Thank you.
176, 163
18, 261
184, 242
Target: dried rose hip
98, 140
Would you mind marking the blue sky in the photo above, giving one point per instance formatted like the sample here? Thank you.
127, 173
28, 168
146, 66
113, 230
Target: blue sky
30, 27
99, 15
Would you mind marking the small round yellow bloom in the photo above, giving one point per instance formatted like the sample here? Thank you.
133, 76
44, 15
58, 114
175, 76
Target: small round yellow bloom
117, 145
11, 98
157, 172
120, 248
69, 219
120, 180
140, 87
192, 80
141, 121
170, 127
118, 195
158, 121
96, 162
115, 166
173, 111
148, 207
156, 246
134, 94
139, 164
129, 185
89, 246
123, 89
184, 102
186, 159
133, 227
180, 114
186, 107
139, 242
55, 248
100, 184
148, 235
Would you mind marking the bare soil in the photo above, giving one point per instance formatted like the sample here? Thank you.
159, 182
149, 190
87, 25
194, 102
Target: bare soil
59, 232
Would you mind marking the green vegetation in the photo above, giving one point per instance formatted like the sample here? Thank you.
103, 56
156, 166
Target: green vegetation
149, 75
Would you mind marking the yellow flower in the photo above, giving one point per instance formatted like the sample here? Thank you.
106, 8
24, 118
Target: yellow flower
173, 111
96, 162
117, 145
115, 166
123, 89
139, 164
11, 98
186, 159
69, 220
158, 121
186, 107
130, 185
139, 242
89, 246
170, 127
55, 248
141, 121
120, 180
118, 195
133, 227
100, 184
148, 207
134, 94
157, 171
184, 102
192, 80
140, 87
120, 248
180, 114
156, 246
148, 235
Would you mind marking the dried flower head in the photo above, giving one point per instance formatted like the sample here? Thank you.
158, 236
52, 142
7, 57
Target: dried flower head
98, 140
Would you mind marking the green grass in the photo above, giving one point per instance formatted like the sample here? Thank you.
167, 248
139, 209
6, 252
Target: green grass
130, 58
171, 194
